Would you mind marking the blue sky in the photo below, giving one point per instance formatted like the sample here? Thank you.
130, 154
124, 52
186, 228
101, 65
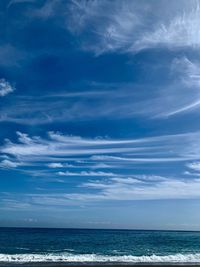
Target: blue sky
100, 104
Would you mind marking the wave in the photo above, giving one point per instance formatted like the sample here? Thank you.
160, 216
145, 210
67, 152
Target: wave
176, 258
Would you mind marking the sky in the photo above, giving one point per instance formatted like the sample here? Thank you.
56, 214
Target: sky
99, 114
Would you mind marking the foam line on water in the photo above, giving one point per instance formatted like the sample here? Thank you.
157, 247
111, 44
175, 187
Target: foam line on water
179, 258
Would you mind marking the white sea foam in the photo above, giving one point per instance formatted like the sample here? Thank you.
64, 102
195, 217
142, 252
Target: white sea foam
177, 258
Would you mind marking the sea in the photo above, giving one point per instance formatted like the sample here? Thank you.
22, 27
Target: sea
19, 246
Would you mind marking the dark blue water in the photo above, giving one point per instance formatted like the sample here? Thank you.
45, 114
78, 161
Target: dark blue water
75, 245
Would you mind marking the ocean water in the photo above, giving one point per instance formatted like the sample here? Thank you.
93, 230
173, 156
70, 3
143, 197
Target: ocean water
27, 245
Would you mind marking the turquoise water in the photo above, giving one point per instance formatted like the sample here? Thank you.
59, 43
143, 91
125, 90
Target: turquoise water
75, 245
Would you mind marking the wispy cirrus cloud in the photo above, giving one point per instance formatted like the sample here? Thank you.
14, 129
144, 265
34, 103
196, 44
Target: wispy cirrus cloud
189, 89
182, 96
124, 26
128, 100
87, 173
181, 31
139, 160
112, 25
59, 145
113, 189
136, 189
86, 155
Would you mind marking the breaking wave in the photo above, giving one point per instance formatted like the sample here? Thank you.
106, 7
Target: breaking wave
176, 258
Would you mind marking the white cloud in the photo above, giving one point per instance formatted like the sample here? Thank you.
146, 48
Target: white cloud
127, 180
85, 156
5, 87
64, 148
59, 145
194, 166
135, 189
179, 32
102, 166
125, 26
55, 165
128, 26
115, 189
112, 25
9, 164
139, 160
86, 173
